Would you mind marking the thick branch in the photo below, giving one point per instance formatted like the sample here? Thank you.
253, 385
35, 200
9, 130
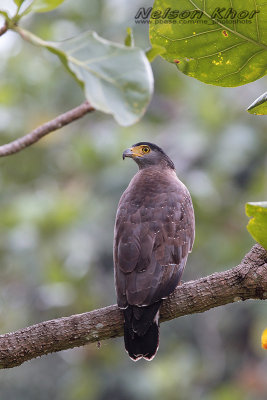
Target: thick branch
57, 123
246, 281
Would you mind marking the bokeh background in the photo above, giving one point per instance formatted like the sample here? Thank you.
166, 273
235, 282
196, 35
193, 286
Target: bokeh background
57, 208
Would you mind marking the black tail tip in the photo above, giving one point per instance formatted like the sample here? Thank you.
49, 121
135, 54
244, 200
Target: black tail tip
145, 346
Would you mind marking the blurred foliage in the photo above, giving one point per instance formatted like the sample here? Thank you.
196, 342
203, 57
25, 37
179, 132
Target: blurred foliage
57, 208
41, 5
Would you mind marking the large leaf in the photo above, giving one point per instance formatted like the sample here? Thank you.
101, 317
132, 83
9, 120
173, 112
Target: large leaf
259, 106
257, 225
153, 52
42, 5
117, 79
210, 46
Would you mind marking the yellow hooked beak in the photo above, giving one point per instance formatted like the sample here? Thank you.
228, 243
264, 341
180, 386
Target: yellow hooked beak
133, 152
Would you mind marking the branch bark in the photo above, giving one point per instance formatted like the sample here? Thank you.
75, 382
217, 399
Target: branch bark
3, 29
246, 281
51, 126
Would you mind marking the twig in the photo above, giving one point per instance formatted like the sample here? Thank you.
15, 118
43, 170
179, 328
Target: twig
57, 123
246, 281
3, 29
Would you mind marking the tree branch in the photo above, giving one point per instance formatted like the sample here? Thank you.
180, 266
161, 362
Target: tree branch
3, 29
246, 281
56, 123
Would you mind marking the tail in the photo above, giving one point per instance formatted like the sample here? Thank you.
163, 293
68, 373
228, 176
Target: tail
141, 331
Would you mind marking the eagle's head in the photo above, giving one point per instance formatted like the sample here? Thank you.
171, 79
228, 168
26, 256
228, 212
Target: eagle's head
147, 154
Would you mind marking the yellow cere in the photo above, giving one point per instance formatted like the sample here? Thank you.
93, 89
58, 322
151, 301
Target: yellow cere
264, 339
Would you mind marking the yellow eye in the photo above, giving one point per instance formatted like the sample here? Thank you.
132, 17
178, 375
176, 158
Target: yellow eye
145, 149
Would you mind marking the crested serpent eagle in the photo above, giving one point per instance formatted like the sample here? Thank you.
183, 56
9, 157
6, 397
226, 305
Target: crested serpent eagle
154, 232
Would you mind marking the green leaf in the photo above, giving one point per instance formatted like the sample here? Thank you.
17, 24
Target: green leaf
19, 2
259, 106
5, 15
117, 79
42, 6
153, 52
129, 39
209, 45
257, 225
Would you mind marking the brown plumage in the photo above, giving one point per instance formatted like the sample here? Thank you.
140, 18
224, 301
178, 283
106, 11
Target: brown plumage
154, 232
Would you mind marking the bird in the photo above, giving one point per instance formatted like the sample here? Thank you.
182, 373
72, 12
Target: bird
154, 232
